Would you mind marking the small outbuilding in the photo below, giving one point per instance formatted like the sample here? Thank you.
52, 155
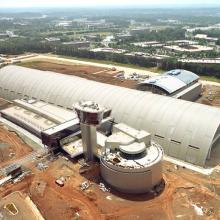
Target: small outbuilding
180, 84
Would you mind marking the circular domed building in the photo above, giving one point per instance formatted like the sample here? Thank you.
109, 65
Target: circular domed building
131, 162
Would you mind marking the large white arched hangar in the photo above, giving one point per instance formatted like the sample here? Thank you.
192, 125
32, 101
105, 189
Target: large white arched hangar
186, 130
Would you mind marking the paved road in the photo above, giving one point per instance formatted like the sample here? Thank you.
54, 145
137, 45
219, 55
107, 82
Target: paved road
128, 71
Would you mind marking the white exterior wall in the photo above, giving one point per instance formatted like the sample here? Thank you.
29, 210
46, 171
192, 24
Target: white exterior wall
132, 182
191, 93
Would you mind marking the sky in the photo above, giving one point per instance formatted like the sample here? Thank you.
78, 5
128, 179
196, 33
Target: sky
101, 3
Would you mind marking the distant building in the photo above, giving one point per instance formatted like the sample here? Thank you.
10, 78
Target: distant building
180, 84
78, 44
3, 35
171, 21
188, 48
123, 36
109, 50
138, 30
52, 39
97, 24
205, 37
91, 37
147, 55
211, 40
182, 42
204, 61
207, 28
11, 34
8, 34
148, 44
64, 24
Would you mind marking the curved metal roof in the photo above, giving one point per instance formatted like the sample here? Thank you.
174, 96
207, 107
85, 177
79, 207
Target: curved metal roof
186, 130
168, 83
185, 76
173, 80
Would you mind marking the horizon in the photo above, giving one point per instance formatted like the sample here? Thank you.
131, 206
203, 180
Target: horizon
21, 4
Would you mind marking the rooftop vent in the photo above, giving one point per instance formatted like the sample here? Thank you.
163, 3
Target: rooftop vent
174, 72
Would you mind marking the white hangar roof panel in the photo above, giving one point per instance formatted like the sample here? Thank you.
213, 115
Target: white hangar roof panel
173, 80
186, 130
185, 76
168, 83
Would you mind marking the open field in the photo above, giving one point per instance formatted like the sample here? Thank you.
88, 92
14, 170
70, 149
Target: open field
210, 78
184, 194
110, 63
210, 95
129, 68
11, 146
100, 74
71, 69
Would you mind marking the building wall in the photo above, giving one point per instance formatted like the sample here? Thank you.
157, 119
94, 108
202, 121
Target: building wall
136, 182
190, 93
151, 88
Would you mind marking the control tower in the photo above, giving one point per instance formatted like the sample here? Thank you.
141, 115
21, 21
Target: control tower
90, 115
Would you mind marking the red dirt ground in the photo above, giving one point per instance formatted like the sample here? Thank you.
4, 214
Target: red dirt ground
14, 145
183, 189
98, 74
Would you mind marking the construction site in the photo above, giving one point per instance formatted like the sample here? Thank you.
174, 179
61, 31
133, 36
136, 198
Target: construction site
74, 148
99, 74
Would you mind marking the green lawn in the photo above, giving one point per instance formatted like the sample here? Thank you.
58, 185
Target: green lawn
28, 64
210, 78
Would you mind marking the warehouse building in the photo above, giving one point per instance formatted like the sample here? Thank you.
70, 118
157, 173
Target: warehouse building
52, 124
186, 130
180, 84
78, 44
36, 116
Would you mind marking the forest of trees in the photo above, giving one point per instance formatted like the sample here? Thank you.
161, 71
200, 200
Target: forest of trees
198, 68
20, 46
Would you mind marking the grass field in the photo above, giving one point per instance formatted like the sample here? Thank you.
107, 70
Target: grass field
210, 78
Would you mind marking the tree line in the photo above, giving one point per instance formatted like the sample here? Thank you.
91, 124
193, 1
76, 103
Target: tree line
20, 46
